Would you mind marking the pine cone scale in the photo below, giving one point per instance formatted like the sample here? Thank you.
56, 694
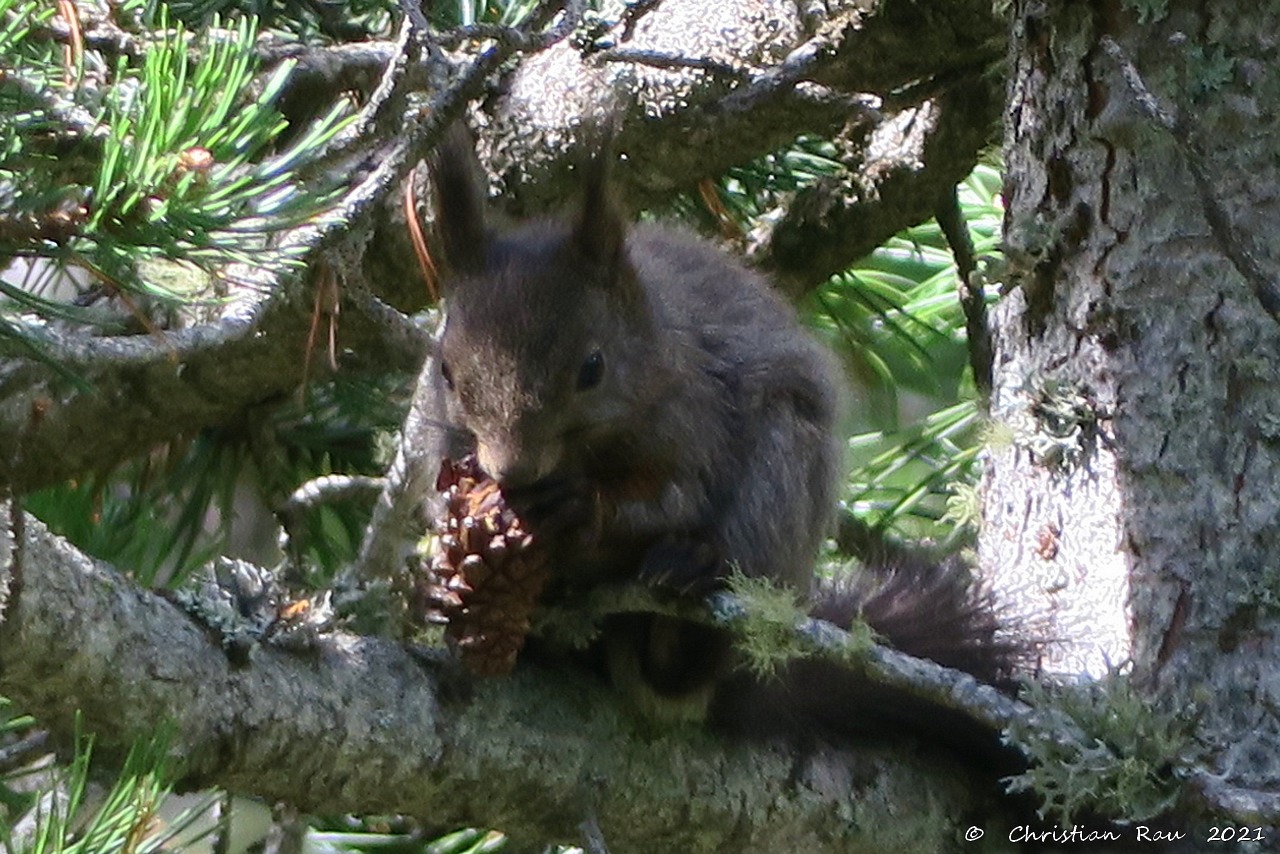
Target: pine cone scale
485, 573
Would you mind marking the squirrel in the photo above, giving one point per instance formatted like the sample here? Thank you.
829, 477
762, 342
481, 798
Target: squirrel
657, 412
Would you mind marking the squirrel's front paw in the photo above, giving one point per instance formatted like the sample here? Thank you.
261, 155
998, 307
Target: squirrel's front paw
684, 566
555, 507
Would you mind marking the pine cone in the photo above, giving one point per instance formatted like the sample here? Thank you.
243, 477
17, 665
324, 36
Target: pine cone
485, 574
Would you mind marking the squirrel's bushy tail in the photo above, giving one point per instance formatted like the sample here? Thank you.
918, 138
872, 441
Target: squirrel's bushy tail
930, 610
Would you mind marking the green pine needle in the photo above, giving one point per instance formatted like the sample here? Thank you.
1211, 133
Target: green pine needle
187, 169
174, 159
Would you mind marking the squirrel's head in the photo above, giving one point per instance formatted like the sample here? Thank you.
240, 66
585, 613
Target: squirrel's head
547, 332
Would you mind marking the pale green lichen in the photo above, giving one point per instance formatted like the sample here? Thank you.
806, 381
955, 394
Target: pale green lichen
1060, 427
996, 435
1126, 766
1149, 11
771, 629
766, 636
964, 506
1209, 69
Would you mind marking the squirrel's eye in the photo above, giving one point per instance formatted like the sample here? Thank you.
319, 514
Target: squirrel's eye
591, 372
447, 374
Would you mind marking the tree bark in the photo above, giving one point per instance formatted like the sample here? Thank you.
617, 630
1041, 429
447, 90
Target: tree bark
360, 724
1135, 496
767, 74
357, 724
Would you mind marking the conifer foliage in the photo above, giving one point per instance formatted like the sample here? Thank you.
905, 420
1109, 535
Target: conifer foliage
148, 166
211, 313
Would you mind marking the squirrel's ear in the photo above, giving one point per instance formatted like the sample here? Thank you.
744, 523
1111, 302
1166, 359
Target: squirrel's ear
460, 198
601, 230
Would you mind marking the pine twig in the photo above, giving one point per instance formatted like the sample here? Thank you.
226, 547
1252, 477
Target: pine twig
24, 750
633, 13
80, 121
677, 61
972, 300
529, 36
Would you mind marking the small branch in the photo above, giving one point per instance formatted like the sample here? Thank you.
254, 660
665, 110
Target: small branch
97, 32
54, 226
972, 299
927, 682
330, 61
514, 38
527, 37
1145, 98
79, 121
664, 59
400, 516
562, 29
316, 493
427, 121
330, 488
632, 15
23, 750
956, 231
338, 62
77, 352
389, 91
415, 16
798, 65
400, 332
912, 157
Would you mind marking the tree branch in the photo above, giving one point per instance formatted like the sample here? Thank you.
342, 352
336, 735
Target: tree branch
699, 88
361, 725
409, 498
256, 350
150, 389
909, 160
972, 298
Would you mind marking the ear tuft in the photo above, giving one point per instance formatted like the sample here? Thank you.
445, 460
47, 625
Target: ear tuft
460, 197
600, 232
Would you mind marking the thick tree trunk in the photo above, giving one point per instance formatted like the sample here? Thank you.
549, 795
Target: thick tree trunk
1137, 359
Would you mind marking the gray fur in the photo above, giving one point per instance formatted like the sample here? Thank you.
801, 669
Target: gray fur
708, 444
710, 384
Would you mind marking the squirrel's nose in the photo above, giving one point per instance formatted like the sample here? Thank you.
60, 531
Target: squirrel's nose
507, 463
496, 459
